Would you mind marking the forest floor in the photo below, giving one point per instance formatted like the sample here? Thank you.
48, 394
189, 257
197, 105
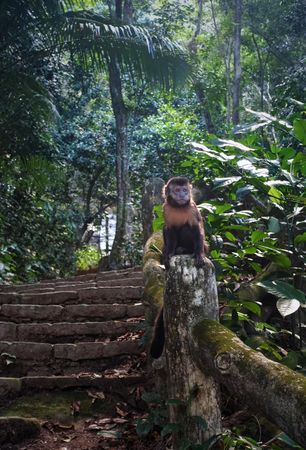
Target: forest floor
113, 429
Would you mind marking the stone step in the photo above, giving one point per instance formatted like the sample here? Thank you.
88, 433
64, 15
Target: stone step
65, 331
115, 274
75, 312
77, 280
117, 294
60, 287
13, 387
46, 287
69, 332
121, 282
31, 358
38, 351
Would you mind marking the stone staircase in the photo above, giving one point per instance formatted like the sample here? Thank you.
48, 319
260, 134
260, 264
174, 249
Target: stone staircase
71, 334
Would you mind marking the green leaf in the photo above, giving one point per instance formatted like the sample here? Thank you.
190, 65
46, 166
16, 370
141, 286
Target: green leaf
151, 397
283, 290
144, 427
199, 421
220, 156
292, 359
299, 239
288, 441
169, 428
299, 126
220, 209
208, 207
247, 165
275, 195
230, 143
257, 236
273, 225
281, 260
253, 307
222, 182
230, 236
267, 117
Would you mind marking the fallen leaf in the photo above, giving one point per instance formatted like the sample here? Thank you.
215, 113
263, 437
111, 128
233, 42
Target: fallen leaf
75, 407
96, 396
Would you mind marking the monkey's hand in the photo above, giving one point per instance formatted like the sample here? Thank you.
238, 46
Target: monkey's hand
199, 260
167, 260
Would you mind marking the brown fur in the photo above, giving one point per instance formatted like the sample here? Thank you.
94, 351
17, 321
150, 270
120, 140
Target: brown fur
177, 217
183, 234
184, 230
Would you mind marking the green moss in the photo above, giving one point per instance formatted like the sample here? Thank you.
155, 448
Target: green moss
224, 340
55, 405
153, 247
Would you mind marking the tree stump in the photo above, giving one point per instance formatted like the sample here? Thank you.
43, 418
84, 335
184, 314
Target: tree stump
193, 395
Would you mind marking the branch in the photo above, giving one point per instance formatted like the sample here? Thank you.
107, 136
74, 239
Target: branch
272, 389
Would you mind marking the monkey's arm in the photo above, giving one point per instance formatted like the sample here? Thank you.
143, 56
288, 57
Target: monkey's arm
170, 244
199, 244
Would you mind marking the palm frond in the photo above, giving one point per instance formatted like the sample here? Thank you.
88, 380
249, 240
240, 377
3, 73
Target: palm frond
91, 38
95, 40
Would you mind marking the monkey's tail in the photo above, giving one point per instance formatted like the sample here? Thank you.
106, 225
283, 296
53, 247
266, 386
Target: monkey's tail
158, 340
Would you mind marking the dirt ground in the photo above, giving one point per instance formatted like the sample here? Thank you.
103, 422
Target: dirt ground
90, 435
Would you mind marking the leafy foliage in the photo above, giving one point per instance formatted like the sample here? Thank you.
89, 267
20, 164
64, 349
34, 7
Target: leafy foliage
87, 257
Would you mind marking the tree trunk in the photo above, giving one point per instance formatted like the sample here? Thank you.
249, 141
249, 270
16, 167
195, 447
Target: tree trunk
237, 62
198, 84
226, 52
265, 386
202, 99
261, 73
128, 11
190, 294
117, 255
151, 196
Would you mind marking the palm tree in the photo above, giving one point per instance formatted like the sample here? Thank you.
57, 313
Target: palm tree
33, 30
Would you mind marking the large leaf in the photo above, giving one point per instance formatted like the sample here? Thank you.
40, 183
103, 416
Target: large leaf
95, 40
246, 128
283, 290
299, 126
287, 307
247, 165
230, 143
222, 182
268, 117
220, 156
92, 38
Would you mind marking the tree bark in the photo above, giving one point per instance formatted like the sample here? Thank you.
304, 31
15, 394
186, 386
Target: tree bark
151, 196
117, 255
197, 83
273, 390
237, 61
190, 294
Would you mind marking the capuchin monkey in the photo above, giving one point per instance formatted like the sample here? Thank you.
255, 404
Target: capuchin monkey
183, 235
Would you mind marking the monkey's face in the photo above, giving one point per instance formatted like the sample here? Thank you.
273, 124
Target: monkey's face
179, 194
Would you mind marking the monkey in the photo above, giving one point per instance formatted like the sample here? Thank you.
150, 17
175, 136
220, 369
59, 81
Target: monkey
183, 235
183, 231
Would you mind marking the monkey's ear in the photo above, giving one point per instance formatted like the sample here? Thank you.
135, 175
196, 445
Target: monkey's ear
166, 190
